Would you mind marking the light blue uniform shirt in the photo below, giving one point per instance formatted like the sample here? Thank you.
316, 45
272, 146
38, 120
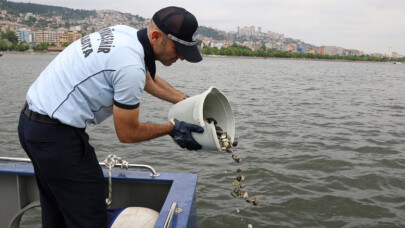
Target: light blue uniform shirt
80, 86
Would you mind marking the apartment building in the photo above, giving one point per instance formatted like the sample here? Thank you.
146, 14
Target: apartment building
47, 36
69, 37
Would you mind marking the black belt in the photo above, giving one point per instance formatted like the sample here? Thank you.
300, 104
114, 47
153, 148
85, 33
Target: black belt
38, 117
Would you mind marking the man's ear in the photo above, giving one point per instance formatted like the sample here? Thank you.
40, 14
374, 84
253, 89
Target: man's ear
156, 34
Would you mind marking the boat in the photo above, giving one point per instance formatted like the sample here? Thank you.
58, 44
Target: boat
171, 195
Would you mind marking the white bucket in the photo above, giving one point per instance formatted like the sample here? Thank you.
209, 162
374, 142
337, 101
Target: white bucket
209, 104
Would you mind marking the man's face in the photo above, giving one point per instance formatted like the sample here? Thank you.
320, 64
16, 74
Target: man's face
166, 52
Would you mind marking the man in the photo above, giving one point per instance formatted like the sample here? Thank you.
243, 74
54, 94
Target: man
102, 74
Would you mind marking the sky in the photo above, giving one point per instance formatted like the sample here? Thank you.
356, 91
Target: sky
371, 26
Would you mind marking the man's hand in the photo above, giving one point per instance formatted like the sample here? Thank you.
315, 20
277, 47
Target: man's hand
181, 134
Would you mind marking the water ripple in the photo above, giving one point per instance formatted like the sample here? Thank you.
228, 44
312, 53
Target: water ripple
322, 143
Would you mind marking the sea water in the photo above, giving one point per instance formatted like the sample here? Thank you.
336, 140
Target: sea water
322, 143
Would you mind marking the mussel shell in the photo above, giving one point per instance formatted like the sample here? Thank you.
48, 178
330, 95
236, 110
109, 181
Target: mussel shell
255, 201
235, 143
234, 194
238, 160
211, 120
245, 195
240, 178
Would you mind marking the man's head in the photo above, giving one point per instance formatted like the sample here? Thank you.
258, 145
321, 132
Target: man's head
172, 32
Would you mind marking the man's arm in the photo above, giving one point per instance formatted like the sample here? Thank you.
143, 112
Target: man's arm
163, 90
130, 130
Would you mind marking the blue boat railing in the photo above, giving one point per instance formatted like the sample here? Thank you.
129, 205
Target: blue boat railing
137, 166
174, 209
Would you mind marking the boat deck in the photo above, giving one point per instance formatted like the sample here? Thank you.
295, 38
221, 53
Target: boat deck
129, 188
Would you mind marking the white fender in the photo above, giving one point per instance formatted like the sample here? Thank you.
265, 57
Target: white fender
136, 217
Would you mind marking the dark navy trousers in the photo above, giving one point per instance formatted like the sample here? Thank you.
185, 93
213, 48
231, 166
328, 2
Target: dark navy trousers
69, 178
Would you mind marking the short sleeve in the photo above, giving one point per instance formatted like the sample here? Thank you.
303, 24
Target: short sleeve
128, 83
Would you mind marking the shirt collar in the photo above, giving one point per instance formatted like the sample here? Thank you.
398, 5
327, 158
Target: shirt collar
149, 55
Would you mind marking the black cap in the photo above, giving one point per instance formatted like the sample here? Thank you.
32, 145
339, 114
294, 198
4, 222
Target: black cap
181, 27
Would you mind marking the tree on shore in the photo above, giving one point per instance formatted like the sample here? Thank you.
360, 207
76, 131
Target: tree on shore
9, 42
10, 36
238, 50
43, 46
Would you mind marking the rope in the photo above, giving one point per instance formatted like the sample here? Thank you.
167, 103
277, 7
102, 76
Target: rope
110, 162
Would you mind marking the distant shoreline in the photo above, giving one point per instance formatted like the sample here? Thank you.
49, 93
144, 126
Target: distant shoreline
211, 56
296, 59
28, 53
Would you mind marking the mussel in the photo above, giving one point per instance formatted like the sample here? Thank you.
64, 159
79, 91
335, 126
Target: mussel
211, 120
255, 201
234, 194
245, 195
235, 143
240, 178
238, 160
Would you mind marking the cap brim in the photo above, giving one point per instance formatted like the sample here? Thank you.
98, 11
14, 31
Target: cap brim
189, 53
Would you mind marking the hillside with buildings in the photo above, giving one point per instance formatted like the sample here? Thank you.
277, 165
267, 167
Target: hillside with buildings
34, 24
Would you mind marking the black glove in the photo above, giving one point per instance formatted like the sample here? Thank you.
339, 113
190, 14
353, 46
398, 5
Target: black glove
181, 134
